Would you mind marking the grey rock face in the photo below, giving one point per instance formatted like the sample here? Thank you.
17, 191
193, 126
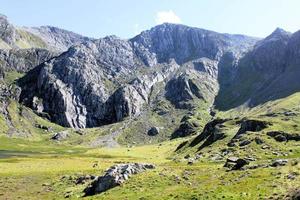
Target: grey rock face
102, 81
184, 43
266, 73
75, 88
180, 90
115, 176
23, 60
57, 39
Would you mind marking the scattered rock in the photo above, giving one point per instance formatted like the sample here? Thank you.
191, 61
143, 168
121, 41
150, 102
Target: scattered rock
265, 147
281, 136
115, 176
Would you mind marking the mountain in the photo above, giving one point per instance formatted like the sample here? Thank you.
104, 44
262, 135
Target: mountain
180, 73
55, 38
99, 82
266, 73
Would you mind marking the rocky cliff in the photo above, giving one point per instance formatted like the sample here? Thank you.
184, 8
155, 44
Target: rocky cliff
106, 80
266, 73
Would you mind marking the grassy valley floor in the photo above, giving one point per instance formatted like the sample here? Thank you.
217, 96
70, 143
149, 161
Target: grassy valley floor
29, 170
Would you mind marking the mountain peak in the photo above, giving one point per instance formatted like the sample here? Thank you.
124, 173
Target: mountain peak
278, 33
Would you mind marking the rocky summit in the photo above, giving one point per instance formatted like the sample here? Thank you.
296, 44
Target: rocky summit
217, 114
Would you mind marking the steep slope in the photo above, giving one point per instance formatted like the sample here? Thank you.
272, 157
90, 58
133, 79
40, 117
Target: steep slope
22, 60
268, 72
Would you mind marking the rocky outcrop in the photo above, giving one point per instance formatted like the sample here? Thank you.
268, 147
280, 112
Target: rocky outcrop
180, 90
23, 60
279, 162
2, 74
251, 125
211, 133
185, 129
115, 176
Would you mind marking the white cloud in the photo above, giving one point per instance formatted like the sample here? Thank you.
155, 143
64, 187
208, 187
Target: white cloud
167, 16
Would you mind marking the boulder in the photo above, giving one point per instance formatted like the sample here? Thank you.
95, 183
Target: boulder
244, 143
279, 162
115, 176
235, 163
153, 131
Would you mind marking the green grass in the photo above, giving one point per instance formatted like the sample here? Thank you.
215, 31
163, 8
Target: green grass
29, 40
41, 174
12, 76
33, 167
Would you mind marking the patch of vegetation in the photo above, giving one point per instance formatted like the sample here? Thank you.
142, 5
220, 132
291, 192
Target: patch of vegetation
12, 76
29, 40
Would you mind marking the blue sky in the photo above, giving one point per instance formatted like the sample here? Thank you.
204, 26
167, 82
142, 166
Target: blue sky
98, 18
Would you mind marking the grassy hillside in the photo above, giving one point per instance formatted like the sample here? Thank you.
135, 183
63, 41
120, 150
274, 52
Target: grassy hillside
35, 167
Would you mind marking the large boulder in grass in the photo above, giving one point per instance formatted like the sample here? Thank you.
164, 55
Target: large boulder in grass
115, 176
235, 163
